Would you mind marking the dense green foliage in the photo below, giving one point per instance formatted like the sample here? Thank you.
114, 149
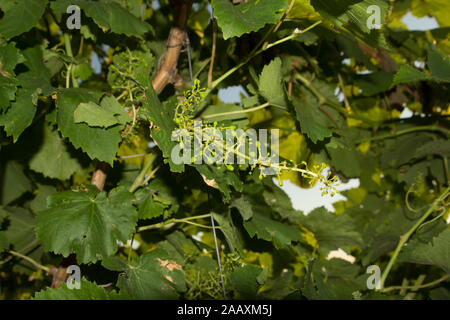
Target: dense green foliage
332, 85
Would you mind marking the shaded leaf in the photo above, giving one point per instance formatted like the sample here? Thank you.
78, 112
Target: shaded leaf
20, 16
311, 118
281, 234
107, 14
252, 15
98, 143
14, 182
438, 64
331, 231
88, 291
94, 115
162, 124
436, 253
271, 83
87, 223
19, 115
245, 280
53, 159
227, 228
153, 276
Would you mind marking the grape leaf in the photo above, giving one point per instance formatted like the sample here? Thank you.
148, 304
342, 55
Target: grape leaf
34, 60
150, 208
20, 225
94, 115
245, 280
281, 234
110, 15
34, 83
374, 83
153, 276
162, 124
350, 11
227, 229
87, 223
436, 253
333, 279
107, 14
440, 147
107, 114
14, 182
406, 74
19, 234
39, 203
53, 159
383, 230
220, 178
157, 198
97, 142
88, 291
20, 16
347, 161
252, 15
244, 207
8, 88
438, 64
19, 115
309, 115
271, 83
330, 230
9, 58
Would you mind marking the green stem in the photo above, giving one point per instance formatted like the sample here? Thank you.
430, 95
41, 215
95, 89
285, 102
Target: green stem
173, 221
255, 52
36, 264
141, 177
70, 54
404, 238
402, 132
209, 116
324, 100
447, 174
427, 285
130, 248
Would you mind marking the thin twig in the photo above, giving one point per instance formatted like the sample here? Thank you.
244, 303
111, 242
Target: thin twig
135, 155
70, 54
342, 85
275, 29
141, 177
209, 116
213, 52
36, 264
172, 221
410, 130
404, 238
427, 285
150, 175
